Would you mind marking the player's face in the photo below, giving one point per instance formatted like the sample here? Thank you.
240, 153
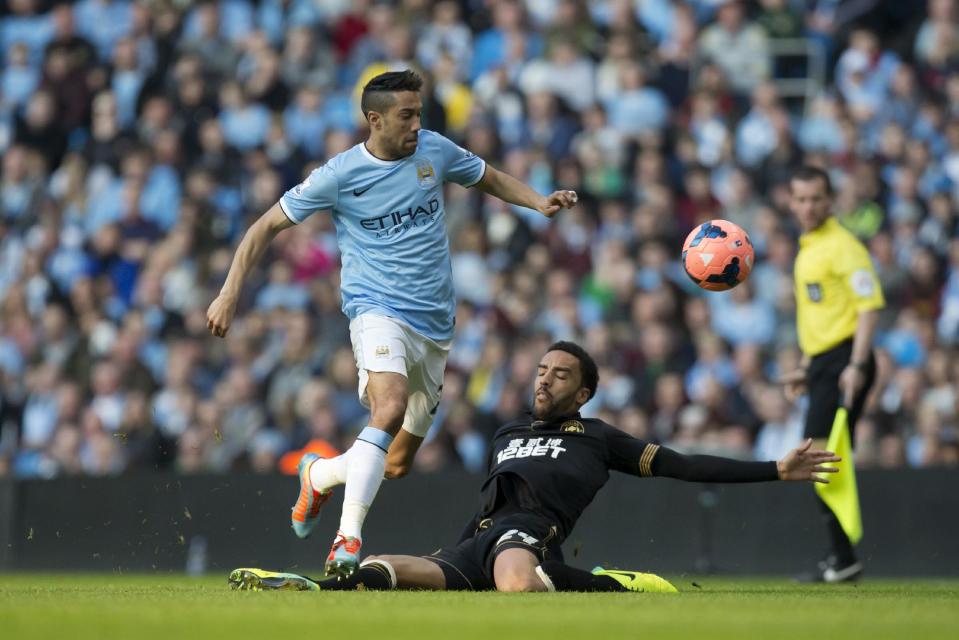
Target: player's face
810, 202
401, 123
558, 389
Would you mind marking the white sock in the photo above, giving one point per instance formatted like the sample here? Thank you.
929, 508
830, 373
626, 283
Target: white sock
328, 473
545, 578
364, 474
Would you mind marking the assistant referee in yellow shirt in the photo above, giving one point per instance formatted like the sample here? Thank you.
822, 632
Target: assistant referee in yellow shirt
837, 301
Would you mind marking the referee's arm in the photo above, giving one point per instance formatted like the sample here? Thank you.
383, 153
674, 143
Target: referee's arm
854, 375
865, 293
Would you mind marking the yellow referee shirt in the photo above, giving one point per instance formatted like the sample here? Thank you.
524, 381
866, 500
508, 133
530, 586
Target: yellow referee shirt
835, 280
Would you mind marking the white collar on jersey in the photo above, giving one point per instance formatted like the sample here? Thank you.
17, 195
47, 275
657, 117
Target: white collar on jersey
380, 161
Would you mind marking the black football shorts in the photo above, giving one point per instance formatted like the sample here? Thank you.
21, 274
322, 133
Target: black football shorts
822, 380
468, 566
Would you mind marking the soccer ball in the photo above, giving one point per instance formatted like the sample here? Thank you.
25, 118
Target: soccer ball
718, 255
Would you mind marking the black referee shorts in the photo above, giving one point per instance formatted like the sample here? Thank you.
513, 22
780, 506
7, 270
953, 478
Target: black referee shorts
469, 565
825, 396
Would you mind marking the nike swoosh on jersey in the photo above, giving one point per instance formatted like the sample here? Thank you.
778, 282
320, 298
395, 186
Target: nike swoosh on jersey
359, 192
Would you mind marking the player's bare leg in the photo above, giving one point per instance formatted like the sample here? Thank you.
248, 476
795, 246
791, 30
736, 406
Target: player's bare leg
515, 570
399, 460
520, 570
385, 573
376, 573
420, 412
387, 392
412, 572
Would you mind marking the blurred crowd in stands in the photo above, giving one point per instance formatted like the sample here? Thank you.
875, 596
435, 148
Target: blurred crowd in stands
139, 139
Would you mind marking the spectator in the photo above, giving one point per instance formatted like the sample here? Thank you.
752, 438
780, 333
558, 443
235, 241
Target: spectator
864, 74
638, 108
566, 74
26, 25
446, 34
40, 131
756, 135
306, 62
20, 189
938, 37
19, 78
136, 137
245, 123
782, 429
203, 38
780, 20
738, 46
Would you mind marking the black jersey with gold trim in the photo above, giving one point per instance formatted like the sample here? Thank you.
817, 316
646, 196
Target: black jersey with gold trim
555, 467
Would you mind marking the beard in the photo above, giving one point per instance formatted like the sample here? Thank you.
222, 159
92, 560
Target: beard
541, 412
550, 406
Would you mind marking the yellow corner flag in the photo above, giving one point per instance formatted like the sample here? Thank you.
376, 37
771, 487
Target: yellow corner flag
841, 494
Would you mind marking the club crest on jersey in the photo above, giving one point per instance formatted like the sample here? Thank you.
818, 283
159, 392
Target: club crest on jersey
572, 426
814, 290
425, 174
298, 189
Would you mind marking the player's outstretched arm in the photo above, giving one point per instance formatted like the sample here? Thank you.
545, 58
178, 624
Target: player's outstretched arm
254, 243
803, 463
506, 187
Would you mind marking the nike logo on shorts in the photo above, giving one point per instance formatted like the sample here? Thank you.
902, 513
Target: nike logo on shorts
359, 192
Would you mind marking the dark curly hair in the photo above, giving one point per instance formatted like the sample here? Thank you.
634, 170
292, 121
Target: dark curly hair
587, 366
378, 92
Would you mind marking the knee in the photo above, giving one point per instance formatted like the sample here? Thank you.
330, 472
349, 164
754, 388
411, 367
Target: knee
519, 583
389, 411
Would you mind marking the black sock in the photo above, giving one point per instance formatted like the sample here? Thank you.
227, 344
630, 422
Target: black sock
373, 577
567, 578
838, 540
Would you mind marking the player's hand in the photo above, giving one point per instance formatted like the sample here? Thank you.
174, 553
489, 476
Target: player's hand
851, 381
794, 383
558, 200
803, 464
220, 315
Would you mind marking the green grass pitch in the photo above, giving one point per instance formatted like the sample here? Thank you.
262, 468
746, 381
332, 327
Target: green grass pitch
77, 607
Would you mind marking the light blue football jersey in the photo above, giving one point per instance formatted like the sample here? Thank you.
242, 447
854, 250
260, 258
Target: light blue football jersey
391, 228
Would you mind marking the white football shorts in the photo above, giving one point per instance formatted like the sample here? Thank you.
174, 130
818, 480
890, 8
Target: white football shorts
381, 343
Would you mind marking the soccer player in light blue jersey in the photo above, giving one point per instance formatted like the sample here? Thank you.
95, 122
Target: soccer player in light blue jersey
386, 199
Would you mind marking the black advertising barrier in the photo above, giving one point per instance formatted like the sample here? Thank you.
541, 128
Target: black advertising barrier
7, 522
153, 522
215, 523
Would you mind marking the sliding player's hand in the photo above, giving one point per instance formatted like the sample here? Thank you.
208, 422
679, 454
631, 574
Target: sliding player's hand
220, 315
556, 201
803, 463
